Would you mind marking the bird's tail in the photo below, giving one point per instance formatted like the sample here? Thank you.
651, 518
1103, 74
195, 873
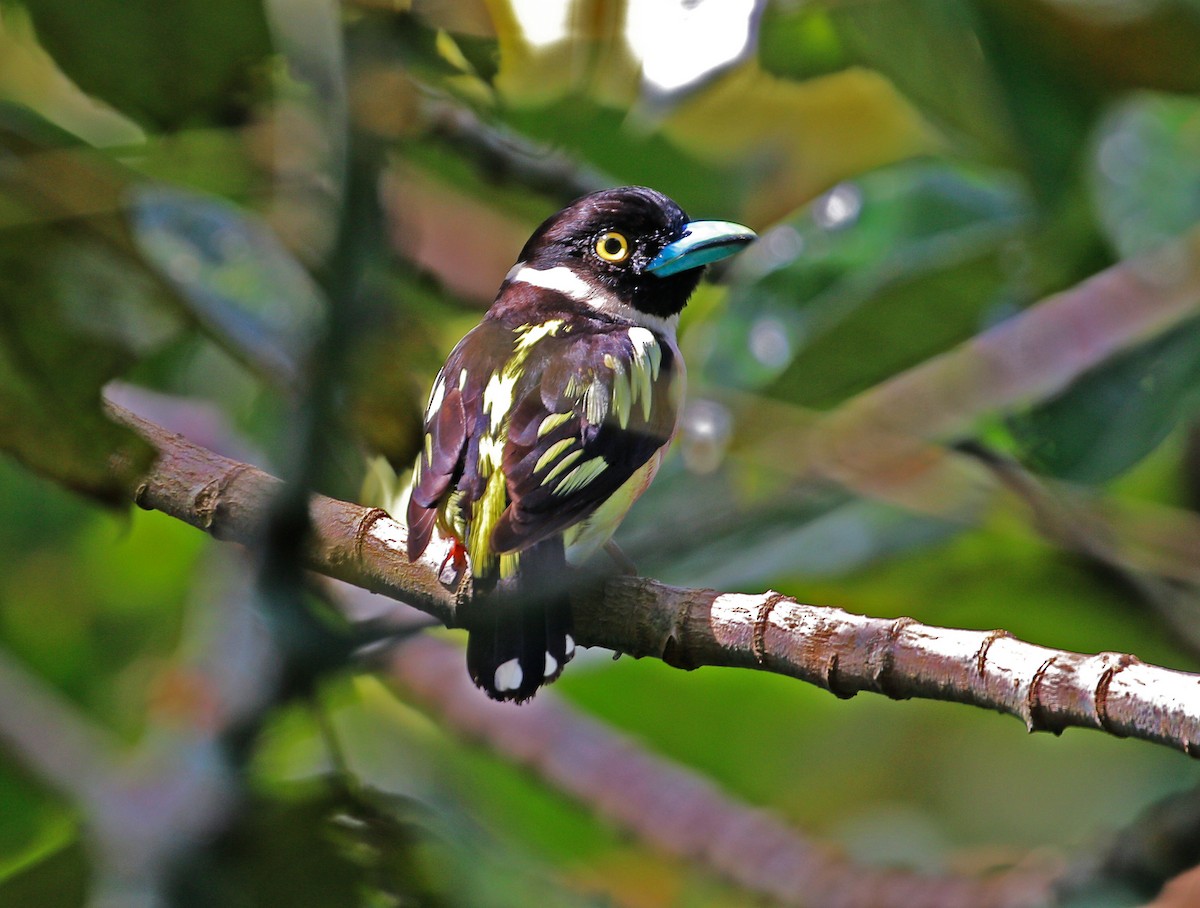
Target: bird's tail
520, 632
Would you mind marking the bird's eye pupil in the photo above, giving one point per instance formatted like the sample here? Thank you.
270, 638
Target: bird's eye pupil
612, 246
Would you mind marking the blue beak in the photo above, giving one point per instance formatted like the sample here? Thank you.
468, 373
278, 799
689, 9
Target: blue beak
702, 242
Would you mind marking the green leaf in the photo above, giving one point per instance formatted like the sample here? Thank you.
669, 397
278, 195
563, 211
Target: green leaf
56, 875
930, 50
1048, 106
799, 42
1145, 182
1144, 171
873, 277
100, 269
1117, 414
234, 276
77, 309
167, 65
1058, 64
56, 353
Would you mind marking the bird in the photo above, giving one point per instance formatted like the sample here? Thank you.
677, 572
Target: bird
552, 416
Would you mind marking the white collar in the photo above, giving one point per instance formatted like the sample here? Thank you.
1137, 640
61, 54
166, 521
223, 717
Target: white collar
565, 281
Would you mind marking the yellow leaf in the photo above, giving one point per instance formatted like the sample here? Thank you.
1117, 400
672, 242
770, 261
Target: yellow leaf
583, 53
805, 136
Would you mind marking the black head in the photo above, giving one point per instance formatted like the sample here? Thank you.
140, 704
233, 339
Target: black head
614, 238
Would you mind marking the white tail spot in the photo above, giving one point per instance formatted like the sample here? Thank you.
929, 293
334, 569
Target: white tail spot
508, 676
551, 665
570, 646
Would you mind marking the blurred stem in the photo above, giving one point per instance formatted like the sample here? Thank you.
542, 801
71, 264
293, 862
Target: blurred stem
1075, 523
313, 432
1161, 844
51, 736
333, 744
677, 810
505, 156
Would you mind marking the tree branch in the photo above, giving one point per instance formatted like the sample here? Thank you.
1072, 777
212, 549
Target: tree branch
1048, 689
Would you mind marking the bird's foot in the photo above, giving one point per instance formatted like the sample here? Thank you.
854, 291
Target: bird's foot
454, 565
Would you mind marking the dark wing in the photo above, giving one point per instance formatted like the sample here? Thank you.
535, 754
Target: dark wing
595, 408
449, 457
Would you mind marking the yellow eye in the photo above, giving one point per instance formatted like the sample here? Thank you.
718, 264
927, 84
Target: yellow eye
612, 247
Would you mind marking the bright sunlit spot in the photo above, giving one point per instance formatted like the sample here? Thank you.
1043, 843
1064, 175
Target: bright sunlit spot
543, 22
769, 342
839, 207
680, 41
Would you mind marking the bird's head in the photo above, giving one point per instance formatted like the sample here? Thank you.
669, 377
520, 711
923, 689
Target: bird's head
634, 244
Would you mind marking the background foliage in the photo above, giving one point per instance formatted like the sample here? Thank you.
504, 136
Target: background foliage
199, 196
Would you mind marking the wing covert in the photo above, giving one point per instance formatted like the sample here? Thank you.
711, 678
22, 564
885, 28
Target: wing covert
448, 462
601, 407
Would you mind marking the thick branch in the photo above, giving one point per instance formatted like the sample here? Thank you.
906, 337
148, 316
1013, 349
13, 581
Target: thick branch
231, 501
1048, 689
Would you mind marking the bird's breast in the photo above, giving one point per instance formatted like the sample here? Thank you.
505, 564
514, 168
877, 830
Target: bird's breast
585, 538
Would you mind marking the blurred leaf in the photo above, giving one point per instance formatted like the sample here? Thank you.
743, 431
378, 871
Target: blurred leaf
1117, 414
1114, 46
791, 140
1145, 171
216, 161
1049, 106
462, 17
1145, 177
482, 55
930, 50
1057, 62
90, 258
427, 50
799, 42
29, 76
592, 59
603, 136
826, 302
56, 878
37, 511
739, 541
80, 307
744, 129
185, 63
405, 817
76, 311
282, 852
386, 404
96, 630
238, 280
34, 828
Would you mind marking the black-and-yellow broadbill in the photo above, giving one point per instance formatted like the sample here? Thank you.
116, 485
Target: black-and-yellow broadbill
552, 416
